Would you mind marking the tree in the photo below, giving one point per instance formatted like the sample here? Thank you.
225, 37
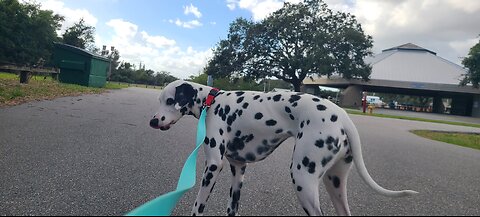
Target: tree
80, 35
297, 41
472, 63
26, 32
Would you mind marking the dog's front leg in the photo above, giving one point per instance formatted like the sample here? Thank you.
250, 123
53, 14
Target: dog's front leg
214, 164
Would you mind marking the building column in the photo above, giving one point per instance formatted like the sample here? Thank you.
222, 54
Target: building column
438, 106
351, 97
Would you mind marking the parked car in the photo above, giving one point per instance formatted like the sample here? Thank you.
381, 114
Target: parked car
376, 101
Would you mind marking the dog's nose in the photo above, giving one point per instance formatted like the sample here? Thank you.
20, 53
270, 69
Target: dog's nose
154, 123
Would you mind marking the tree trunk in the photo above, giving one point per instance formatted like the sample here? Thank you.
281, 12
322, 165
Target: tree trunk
296, 85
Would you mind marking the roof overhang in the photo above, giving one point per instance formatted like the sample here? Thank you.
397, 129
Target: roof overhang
399, 87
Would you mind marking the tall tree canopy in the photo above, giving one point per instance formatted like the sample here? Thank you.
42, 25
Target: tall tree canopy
80, 35
472, 63
26, 32
297, 41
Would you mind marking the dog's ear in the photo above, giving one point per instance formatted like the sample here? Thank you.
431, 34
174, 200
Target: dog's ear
184, 94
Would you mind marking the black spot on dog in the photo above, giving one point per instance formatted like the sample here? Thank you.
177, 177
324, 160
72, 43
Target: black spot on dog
299, 188
231, 119
258, 116
294, 98
206, 141
326, 160
302, 124
213, 168
236, 145
221, 132
229, 129
213, 143
271, 122
299, 167
295, 104
238, 133
334, 118
288, 110
201, 208
256, 97
269, 98
185, 94
311, 167
321, 107
342, 131
336, 182
316, 99
245, 105
349, 159
222, 149
250, 157
320, 143
217, 109
240, 100
239, 93
279, 131
227, 109
300, 135
292, 117
163, 118
277, 98
234, 173
305, 161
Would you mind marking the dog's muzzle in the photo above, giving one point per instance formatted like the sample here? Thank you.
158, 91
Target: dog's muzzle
154, 124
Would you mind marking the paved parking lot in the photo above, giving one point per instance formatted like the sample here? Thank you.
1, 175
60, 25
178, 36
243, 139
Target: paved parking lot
96, 155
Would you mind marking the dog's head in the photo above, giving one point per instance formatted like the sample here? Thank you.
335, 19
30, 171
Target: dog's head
176, 100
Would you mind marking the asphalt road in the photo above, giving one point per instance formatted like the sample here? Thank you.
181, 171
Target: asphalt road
96, 155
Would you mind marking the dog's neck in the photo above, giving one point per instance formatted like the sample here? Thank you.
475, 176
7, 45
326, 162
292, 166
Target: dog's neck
201, 97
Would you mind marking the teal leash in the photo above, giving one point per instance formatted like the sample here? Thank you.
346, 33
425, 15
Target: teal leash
164, 204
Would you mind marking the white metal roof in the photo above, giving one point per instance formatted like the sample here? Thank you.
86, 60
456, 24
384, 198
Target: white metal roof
412, 63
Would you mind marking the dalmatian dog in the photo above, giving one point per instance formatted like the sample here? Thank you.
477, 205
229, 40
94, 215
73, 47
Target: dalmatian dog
246, 127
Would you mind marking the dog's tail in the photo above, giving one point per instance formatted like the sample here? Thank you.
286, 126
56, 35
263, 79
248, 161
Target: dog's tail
355, 144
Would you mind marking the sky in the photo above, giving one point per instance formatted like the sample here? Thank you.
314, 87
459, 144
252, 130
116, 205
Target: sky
178, 36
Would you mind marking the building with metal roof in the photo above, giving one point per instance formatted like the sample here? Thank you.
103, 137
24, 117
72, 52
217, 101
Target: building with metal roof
409, 70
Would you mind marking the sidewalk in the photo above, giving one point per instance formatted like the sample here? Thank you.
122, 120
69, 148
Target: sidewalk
432, 116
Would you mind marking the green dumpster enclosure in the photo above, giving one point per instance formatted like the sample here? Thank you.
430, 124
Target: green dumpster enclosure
79, 66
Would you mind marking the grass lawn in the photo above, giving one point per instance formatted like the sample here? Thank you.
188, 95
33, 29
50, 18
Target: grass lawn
41, 88
470, 140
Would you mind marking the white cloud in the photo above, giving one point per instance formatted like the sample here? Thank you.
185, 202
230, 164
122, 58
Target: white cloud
156, 52
187, 24
259, 8
158, 41
72, 16
190, 9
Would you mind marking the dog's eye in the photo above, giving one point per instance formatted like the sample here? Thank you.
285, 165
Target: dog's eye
170, 101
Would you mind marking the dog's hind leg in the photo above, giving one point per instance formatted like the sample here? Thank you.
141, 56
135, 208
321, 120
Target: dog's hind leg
335, 181
238, 172
306, 173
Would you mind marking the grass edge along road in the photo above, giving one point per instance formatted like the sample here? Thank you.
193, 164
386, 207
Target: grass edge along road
42, 88
469, 140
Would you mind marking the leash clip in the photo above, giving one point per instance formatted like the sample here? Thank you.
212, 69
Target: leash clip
210, 98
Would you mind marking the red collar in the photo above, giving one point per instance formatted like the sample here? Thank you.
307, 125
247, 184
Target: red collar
211, 97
